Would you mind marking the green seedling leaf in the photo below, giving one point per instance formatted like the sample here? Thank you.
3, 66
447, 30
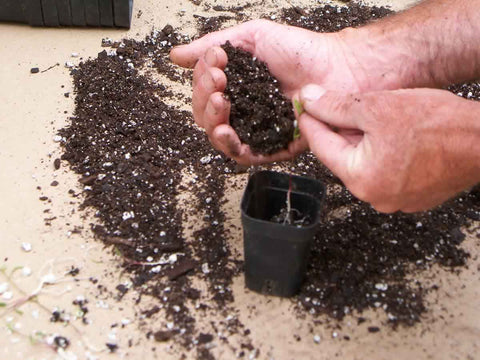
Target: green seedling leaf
298, 107
296, 133
2, 304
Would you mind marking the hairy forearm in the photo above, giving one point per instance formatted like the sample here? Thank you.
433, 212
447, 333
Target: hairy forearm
433, 44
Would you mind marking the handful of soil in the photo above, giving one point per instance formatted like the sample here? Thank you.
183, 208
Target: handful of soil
260, 114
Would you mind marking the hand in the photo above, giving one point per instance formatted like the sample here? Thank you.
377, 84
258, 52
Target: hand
406, 150
294, 56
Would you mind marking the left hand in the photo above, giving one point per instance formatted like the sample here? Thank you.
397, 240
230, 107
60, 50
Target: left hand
294, 56
406, 150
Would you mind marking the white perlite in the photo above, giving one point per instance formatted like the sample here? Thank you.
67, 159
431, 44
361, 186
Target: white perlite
27, 247
205, 268
3, 287
128, 215
381, 287
26, 271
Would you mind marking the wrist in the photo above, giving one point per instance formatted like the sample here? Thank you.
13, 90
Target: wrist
381, 62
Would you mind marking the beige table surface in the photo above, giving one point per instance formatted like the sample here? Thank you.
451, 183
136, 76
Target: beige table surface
32, 110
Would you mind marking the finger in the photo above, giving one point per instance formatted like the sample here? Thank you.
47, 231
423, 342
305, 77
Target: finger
214, 57
204, 86
225, 139
212, 80
241, 35
283, 155
334, 108
298, 146
336, 152
217, 112
198, 71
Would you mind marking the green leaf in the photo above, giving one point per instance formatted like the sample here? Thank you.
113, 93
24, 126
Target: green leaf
2, 304
298, 107
296, 133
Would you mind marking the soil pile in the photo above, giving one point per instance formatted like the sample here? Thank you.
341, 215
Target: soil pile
260, 114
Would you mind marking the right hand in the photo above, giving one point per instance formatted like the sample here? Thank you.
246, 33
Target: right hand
295, 56
405, 150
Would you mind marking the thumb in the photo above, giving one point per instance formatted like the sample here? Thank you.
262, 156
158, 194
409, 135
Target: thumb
331, 107
332, 149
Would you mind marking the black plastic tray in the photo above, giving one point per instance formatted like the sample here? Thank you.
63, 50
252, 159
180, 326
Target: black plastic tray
68, 12
64, 12
92, 13
50, 13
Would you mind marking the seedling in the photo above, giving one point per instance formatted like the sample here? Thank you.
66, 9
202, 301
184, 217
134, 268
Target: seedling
299, 109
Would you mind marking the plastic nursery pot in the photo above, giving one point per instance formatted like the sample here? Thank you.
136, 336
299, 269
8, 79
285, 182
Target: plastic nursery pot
68, 12
276, 253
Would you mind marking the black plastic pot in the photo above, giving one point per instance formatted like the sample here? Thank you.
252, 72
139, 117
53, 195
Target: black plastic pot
276, 254
68, 12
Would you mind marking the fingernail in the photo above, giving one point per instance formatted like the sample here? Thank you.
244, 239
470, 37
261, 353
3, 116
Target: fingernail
311, 92
211, 57
208, 82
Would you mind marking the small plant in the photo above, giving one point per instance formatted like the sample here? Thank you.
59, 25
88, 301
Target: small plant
299, 109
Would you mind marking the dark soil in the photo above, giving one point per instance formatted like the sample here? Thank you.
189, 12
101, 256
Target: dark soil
130, 148
330, 18
260, 114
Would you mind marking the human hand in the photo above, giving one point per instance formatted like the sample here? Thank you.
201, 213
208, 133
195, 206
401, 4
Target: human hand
294, 56
406, 150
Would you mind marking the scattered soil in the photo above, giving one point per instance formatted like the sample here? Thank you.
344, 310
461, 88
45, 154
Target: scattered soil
330, 18
260, 114
131, 148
